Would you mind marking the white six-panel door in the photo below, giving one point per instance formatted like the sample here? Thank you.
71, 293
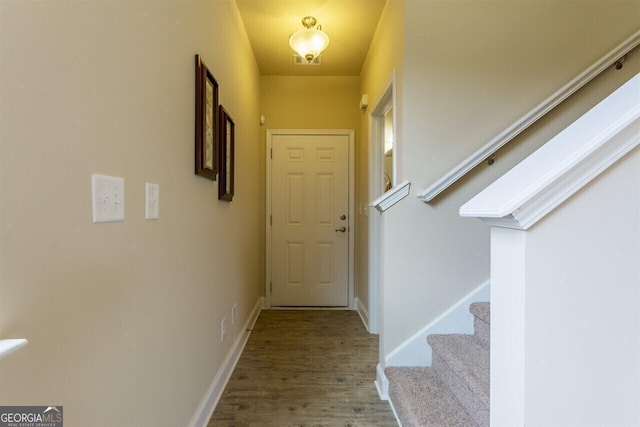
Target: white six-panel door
309, 220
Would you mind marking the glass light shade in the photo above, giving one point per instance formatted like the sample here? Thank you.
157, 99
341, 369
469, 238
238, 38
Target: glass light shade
309, 43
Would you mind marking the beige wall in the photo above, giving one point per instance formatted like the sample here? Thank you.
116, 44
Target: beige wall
122, 318
470, 69
385, 57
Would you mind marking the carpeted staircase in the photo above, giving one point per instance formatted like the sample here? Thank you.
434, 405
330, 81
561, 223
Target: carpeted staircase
454, 391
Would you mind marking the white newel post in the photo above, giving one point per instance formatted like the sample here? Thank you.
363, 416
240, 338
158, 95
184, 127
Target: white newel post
507, 326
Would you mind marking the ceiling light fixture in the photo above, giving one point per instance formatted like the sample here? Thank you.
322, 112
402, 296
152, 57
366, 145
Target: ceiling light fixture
310, 42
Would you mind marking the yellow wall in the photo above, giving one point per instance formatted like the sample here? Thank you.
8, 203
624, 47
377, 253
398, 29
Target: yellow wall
122, 318
311, 102
319, 102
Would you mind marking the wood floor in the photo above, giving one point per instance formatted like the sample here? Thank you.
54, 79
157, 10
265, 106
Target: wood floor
305, 368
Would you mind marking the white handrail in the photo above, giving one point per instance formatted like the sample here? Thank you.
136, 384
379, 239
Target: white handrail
9, 346
392, 196
564, 165
528, 119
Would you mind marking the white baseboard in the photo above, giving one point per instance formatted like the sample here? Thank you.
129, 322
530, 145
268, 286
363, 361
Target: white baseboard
212, 396
395, 413
382, 383
362, 312
416, 352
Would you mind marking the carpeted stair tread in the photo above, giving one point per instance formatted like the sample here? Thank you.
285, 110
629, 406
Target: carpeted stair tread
420, 400
482, 322
482, 310
467, 361
454, 391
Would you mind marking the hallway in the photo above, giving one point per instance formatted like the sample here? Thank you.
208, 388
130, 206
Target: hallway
305, 368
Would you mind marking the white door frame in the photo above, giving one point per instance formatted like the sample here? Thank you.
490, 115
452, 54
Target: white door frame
350, 133
376, 182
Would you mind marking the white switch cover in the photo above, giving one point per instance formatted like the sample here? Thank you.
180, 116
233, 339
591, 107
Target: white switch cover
152, 197
108, 198
234, 314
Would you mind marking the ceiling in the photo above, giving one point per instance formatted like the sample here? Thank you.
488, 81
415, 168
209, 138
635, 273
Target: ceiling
350, 25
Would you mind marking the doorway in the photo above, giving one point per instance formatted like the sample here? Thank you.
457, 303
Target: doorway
383, 172
309, 218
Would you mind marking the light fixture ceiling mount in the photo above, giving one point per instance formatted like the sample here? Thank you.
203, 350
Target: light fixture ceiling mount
310, 42
310, 22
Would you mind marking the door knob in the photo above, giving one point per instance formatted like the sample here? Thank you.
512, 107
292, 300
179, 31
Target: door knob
341, 229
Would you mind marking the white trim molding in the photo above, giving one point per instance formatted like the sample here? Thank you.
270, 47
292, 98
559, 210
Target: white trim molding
528, 119
564, 165
392, 196
362, 311
208, 404
387, 99
382, 383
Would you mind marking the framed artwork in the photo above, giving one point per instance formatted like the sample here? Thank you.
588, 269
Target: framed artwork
226, 158
206, 121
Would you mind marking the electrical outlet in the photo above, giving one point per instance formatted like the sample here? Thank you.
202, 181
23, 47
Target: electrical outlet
107, 194
234, 314
152, 199
222, 329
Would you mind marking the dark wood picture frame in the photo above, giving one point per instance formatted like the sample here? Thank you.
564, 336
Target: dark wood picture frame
226, 158
206, 121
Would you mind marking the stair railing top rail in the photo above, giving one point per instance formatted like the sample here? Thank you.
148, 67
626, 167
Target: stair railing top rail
560, 168
528, 119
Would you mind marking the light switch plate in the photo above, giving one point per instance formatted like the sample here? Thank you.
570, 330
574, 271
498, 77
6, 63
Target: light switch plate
107, 193
152, 201
234, 314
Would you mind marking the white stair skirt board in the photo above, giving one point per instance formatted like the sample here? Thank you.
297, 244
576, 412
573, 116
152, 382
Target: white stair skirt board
458, 319
455, 390
382, 383
208, 404
395, 413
